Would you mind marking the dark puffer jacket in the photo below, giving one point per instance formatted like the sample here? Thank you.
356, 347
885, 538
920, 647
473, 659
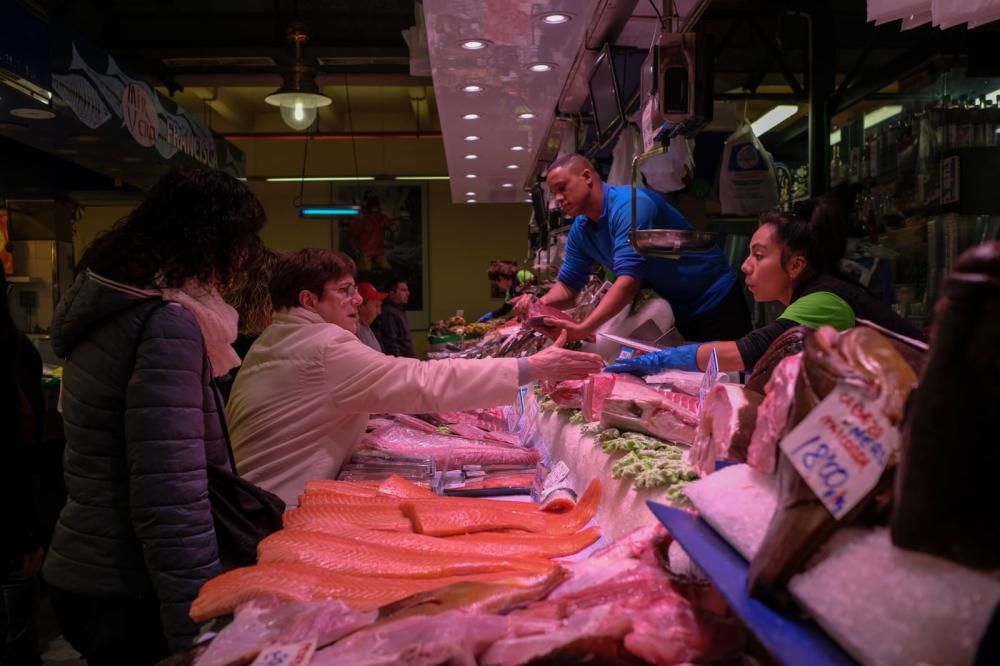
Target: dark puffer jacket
142, 423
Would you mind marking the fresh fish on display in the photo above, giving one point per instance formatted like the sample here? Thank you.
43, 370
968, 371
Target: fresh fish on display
789, 343
79, 94
725, 428
325, 518
772, 415
447, 451
261, 624
348, 556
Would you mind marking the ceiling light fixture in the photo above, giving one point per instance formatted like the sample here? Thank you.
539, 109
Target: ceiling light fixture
470, 201
555, 18
317, 179
422, 178
881, 114
507, 185
471, 116
471, 176
470, 194
328, 211
472, 157
473, 88
299, 97
517, 149
472, 137
527, 201
33, 114
540, 67
527, 115
513, 166
474, 44
773, 118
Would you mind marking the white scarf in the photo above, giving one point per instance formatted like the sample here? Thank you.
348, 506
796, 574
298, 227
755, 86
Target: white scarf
217, 320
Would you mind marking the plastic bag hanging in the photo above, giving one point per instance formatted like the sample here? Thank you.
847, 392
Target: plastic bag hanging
747, 181
627, 147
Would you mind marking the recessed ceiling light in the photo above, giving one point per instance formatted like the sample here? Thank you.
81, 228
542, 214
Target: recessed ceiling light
471, 175
470, 194
472, 157
474, 44
472, 137
470, 201
527, 115
472, 88
555, 18
507, 185
527, 201
513, 166
471, 116
540, 67
517, 149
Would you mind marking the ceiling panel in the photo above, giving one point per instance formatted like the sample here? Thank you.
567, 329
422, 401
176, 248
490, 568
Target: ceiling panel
517, 38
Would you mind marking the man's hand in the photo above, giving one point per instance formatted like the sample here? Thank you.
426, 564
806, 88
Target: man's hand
557, 364
574, 330
521, 305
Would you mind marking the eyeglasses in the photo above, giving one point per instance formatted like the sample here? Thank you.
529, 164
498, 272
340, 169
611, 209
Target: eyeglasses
346, 291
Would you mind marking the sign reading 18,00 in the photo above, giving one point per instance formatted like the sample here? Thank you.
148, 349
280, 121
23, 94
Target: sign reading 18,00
841, 448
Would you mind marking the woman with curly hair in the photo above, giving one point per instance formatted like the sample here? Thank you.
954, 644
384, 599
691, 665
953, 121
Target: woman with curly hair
143, 331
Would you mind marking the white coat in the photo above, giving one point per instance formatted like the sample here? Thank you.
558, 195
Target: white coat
300, 402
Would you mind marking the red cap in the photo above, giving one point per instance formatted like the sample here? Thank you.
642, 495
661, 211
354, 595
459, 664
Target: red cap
370, 293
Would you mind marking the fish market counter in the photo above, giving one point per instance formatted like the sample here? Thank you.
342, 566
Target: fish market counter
622, 508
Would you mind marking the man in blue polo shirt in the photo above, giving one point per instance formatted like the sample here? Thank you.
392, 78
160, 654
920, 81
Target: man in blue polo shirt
704, 292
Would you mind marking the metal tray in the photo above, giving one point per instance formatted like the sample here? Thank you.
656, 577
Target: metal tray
671, 242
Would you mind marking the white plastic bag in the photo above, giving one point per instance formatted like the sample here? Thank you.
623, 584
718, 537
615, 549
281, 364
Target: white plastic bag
747, 182
673, 170
627, 147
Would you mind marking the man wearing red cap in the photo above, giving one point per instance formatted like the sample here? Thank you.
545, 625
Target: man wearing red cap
368, 311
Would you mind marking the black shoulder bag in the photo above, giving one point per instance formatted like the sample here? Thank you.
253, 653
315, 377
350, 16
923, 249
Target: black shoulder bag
242, 512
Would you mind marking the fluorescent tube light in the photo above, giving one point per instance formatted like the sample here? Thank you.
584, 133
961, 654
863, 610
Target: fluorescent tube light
835, 137
881, 114
317, 179
328, 211
421, 177
773, 118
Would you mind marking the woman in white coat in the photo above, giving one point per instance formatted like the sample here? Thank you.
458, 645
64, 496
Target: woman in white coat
300, 403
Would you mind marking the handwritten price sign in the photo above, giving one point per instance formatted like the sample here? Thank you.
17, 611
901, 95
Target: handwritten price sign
841, 449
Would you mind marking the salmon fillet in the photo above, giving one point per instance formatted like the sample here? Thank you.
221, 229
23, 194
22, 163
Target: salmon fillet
371, 516
292, 581
393, 486
465, 516
335, 553
496, 544
340, 487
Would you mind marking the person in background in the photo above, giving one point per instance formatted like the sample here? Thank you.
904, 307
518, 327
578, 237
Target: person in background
303, 397
143, 330
794, 259
21, 411
704, 292
368, 311
252, 300
511, 282
393, 328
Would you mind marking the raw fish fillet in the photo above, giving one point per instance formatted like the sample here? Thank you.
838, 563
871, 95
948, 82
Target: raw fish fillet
498, 544
726, 425
292, 581
448, 451
413, 423
595, 390
397, 486
467, 517
567, 394
590, 624
789, 343
341, 487
372, 517
349, 556
260, 625
636, 406
772, 415
424, 640
520, 480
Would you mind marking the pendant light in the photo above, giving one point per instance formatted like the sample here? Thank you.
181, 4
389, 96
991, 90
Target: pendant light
299, 98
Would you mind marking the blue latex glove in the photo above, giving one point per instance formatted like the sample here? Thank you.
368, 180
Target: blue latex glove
485, 317
684, 357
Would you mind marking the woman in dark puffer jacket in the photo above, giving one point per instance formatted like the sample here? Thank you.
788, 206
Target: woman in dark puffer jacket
143, 331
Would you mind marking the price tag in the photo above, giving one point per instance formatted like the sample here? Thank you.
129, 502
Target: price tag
293, 654
710, 379
841, 449
626, 352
